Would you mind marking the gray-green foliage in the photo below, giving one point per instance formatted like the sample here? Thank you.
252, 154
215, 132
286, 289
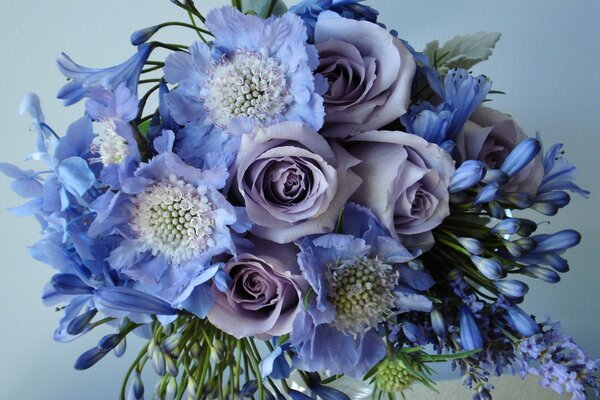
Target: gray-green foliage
261, 7
462, 51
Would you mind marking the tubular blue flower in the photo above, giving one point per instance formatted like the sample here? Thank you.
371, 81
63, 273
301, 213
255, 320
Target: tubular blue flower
109, 342
545, 274
521, 156
81, 322
46, 136
559, 174
550, 202
90, 358
495, 176
429, 122
469, 174
69, 284
470, 336
126, 299
142, 35
487, 194
489, 267
521, 322
558, 241
508, 226
512, 288
84, 78
438, 323
472, 245
464, 93
226, 85
309, 11
461, 94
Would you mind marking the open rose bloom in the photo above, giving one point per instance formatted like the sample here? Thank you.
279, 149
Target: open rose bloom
311, 198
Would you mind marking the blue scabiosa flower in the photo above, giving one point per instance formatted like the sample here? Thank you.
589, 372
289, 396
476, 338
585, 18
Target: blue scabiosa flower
256, 79
172, 220
309, 11
84, 78
353, 276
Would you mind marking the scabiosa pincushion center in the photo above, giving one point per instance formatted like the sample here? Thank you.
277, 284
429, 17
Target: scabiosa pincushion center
214, 81
174, 218
394, 373
362, 292
111, 147
246, 84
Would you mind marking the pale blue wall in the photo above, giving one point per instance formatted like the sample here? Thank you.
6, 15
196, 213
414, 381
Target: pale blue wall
547, 61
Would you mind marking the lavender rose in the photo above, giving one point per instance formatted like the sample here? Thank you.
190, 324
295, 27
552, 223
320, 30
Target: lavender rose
405, 183
489, 136
369, 72
293, 182
263, 299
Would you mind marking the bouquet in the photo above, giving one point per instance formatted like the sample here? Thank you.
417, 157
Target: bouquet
295, 199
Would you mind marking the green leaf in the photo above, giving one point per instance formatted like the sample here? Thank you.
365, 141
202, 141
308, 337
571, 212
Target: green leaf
448, 357
143, 127
462, 51
261, 7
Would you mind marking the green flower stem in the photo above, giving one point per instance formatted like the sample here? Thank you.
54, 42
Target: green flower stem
170, 46
101, 322
199, 33
142, 105
150, 69
142, 81
134, 365
238, 346
185, 25
191, 8
271, 8
254, 362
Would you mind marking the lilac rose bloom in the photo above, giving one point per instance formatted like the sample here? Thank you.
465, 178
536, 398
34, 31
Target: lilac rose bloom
264, 296
369, 72
292, 181
489, 136
405, 184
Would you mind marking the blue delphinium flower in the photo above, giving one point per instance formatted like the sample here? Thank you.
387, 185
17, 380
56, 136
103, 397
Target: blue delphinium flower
337, 332
172, 219
84, 78
262, 77
309, 11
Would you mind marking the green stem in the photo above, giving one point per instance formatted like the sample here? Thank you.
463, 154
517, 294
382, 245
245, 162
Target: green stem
271, 8
135, 364
185, 25
101, 322
199, 33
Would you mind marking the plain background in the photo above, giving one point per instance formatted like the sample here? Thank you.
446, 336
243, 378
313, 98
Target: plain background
547, 61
